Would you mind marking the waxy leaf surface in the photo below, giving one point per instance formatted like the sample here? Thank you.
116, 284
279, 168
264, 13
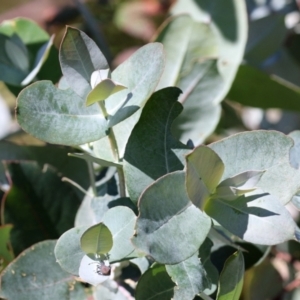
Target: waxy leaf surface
79, 57
152, 151
166, 210
189, 276
27, 275
68, 252
140, 75
59, 116
203, 173
267, 151
257, 218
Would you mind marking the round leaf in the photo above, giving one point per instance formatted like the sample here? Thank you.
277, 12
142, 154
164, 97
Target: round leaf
35, 275
166, 211
97, 239
59, 116
120, 220
67, 250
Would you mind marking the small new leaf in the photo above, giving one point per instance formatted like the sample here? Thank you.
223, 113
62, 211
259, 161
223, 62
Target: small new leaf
97, 240
103, 90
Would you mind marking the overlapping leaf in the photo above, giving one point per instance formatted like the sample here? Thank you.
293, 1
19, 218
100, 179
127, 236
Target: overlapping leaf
59, 116
165, 210
261, 150
68, 252
152, 151
190, 278
205, 82
258, 218
203, 174
188, 67
79, 57
27, 274
141, 76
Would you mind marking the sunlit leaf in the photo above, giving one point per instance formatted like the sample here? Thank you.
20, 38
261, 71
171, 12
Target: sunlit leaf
166, 210
97, 239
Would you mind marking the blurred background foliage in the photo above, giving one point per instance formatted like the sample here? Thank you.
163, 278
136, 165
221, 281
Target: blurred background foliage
264, 95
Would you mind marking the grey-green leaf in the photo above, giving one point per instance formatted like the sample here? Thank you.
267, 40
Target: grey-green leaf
120, 221
79, 57
261, 150
68, 252
152, 141
59, 116
140, 75
35, 275
231, 278
155, 284
189, 276
224, 25
166, 210
258, 218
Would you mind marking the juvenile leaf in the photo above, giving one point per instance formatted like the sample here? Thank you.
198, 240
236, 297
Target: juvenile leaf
103, 90
68, 252
27, 275
261, 150
151, 141
203, 174
189, 276
236, 186
96, 240
59, 116
120, 221
223, 29
231, 278
230, 29
257, 218
165, 210
188, 67
79, 57
93, 209
155, 284
140, 75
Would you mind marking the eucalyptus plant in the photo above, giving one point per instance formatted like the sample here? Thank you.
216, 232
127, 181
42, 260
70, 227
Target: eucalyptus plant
143, 124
